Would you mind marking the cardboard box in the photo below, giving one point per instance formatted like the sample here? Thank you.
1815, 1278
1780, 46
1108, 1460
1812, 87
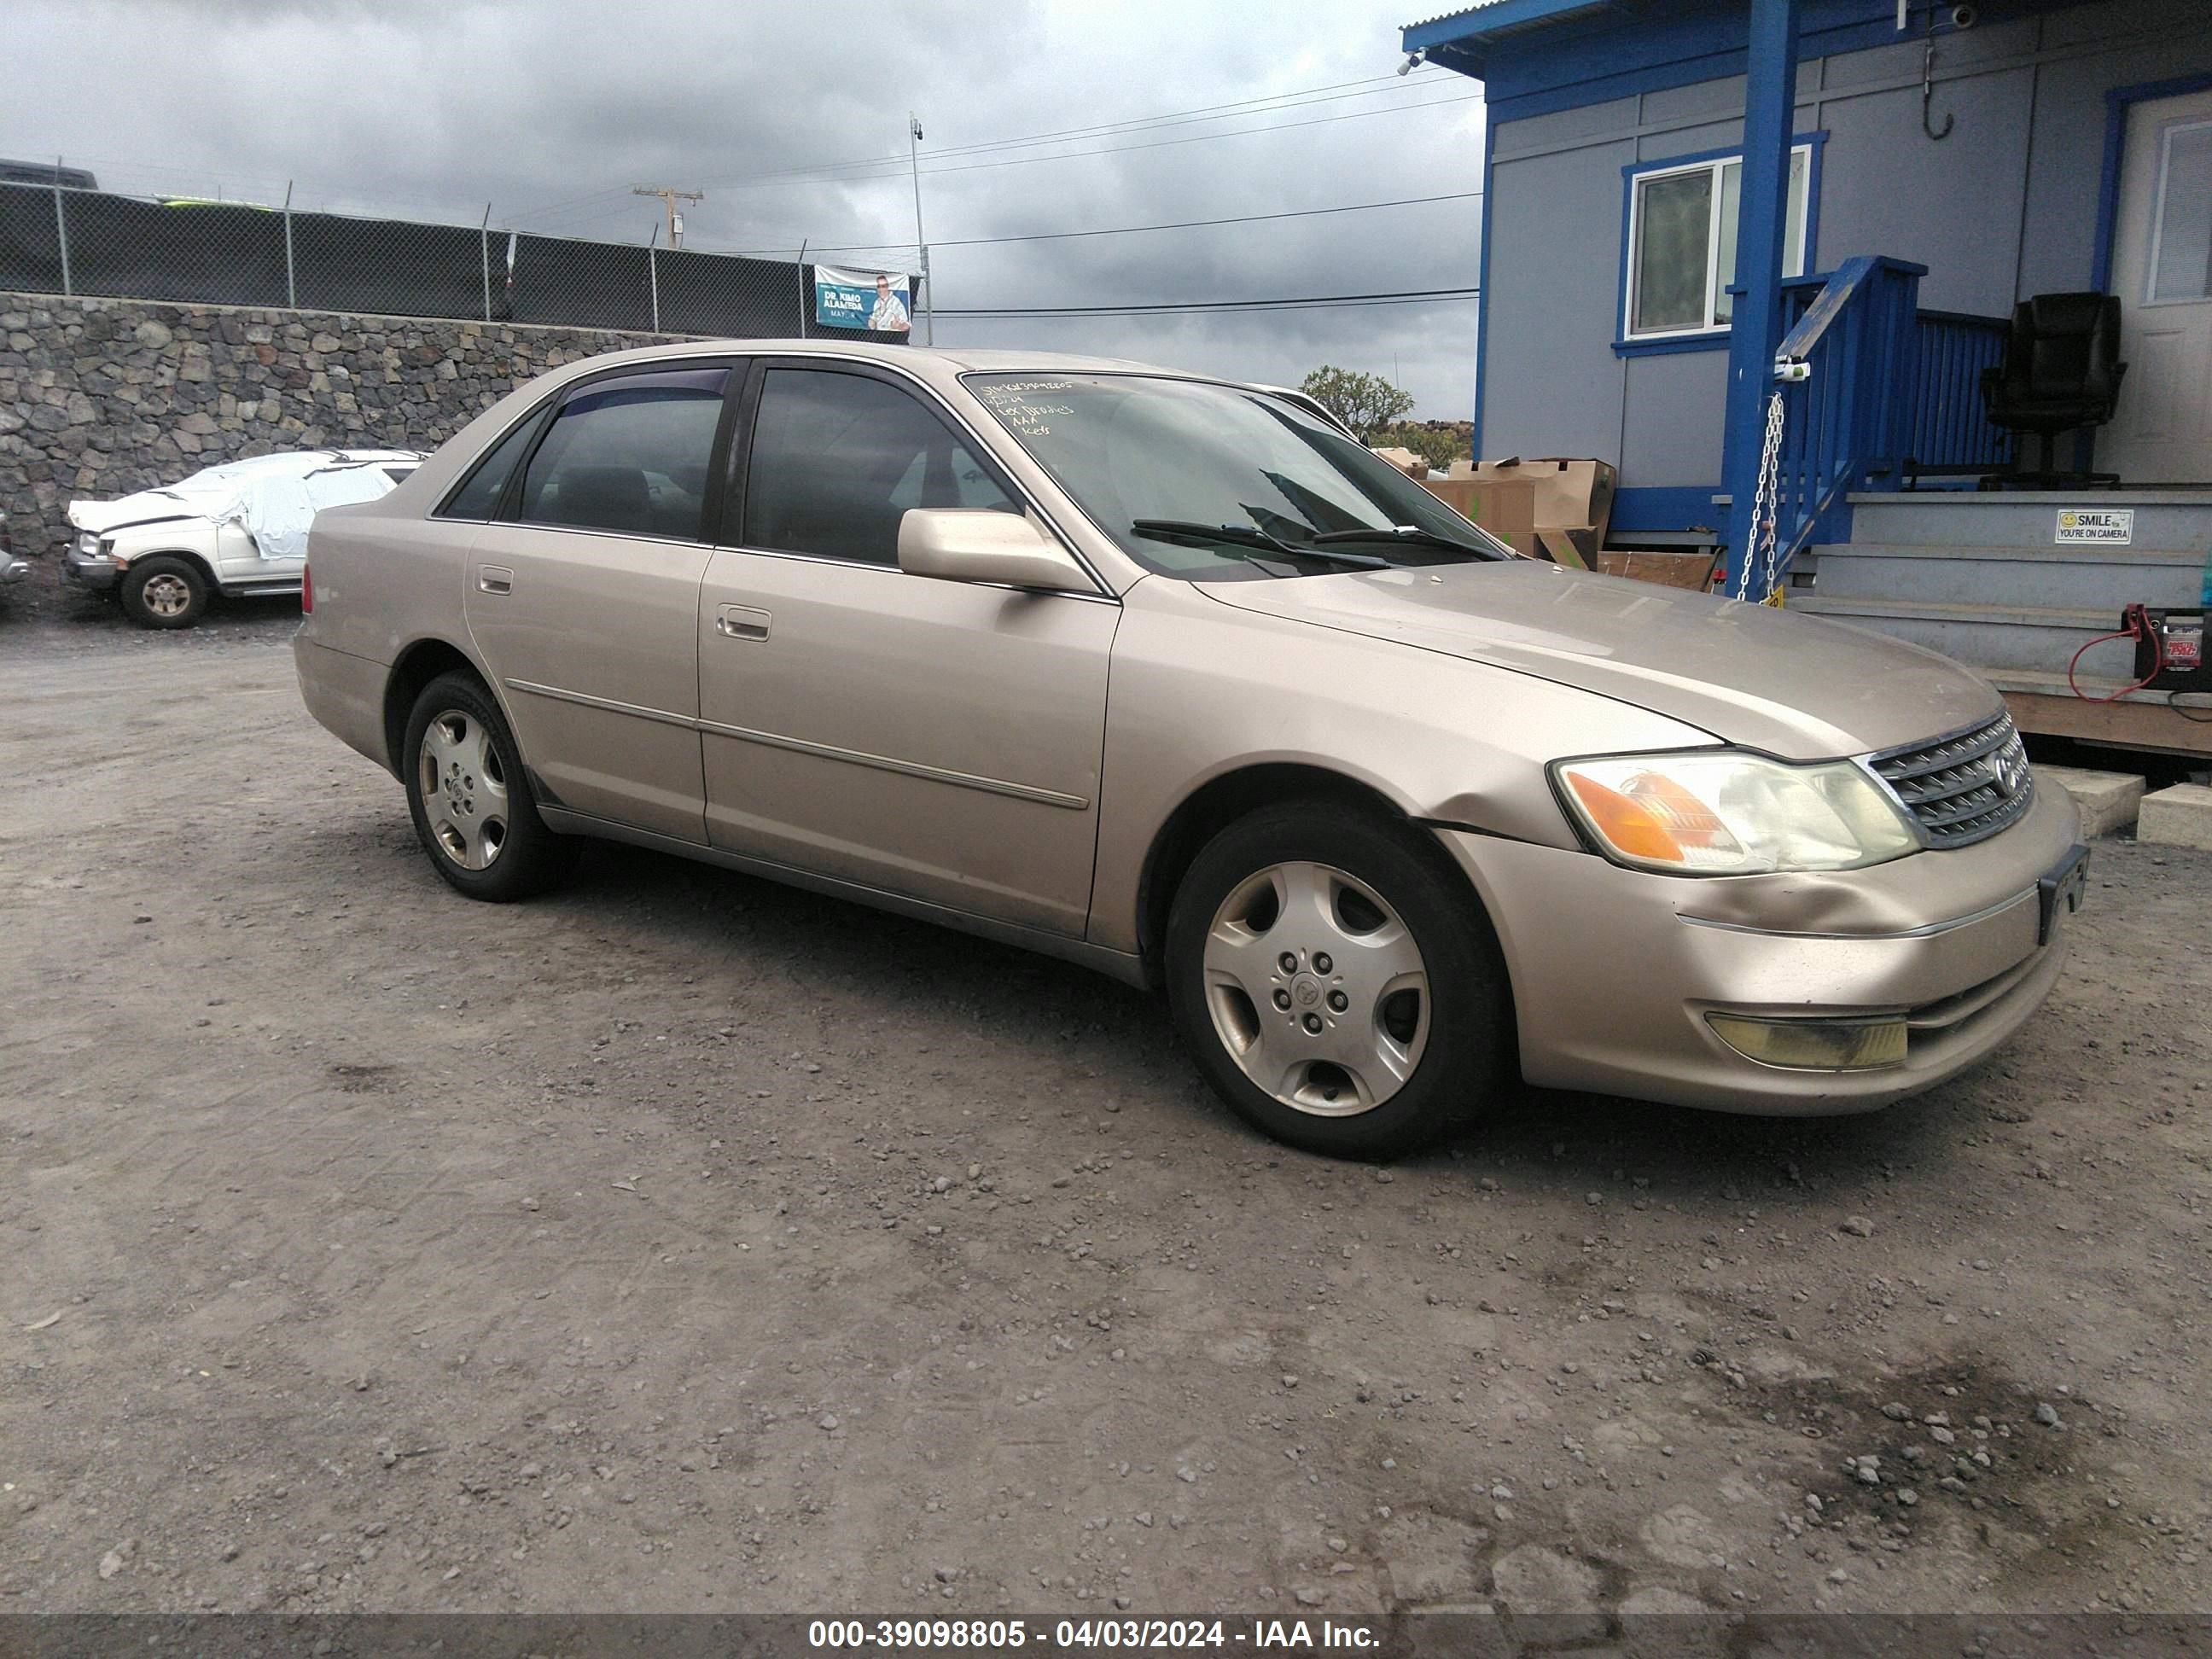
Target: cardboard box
1574, 496
1506, 508
1576, 548
1413, 466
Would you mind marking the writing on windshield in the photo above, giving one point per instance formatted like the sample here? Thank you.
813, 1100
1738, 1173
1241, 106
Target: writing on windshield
1026, 407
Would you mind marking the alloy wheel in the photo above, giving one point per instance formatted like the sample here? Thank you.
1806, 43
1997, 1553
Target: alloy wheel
165, 595
1317, 988
463, 789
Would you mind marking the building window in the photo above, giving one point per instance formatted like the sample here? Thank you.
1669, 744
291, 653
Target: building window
1681, 242
2181, 228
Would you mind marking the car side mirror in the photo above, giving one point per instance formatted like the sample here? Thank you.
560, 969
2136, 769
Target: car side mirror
976, 544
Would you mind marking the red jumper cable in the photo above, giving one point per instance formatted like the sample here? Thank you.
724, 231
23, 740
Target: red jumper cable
2137, 621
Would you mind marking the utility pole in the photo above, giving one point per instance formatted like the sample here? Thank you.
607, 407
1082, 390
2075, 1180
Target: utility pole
928, 289
671, 198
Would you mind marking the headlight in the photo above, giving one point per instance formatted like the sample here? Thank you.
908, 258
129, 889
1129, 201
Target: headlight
1716, 812
87, 544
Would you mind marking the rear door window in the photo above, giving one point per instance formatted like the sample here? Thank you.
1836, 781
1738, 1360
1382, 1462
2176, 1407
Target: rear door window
837, 460
630, 453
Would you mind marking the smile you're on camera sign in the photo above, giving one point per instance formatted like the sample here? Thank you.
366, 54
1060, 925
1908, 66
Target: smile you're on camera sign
877, 300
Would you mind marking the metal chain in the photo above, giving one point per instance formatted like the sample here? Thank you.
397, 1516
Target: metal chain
1765, 509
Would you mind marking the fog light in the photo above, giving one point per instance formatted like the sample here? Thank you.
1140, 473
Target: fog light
1814, 1045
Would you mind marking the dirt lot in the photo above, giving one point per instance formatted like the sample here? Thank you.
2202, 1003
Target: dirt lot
683, 1241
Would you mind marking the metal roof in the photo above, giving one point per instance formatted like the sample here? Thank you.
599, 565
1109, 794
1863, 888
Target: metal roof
1447, 16
1456, 38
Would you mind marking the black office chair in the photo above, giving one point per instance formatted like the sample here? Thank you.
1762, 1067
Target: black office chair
2061, 370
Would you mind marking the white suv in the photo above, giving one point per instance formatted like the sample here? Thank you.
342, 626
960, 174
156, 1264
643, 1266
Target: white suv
240, 528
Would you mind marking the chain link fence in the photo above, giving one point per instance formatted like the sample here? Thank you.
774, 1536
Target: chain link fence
90, 243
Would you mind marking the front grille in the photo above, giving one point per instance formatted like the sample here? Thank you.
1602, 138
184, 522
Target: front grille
1965, 788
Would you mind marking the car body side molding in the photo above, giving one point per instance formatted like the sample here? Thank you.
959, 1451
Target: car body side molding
829, 751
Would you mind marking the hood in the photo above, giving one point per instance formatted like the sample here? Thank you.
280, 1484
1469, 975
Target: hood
147, 507
1799, 687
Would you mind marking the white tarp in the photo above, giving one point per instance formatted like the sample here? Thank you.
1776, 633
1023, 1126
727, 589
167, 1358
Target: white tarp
274, 497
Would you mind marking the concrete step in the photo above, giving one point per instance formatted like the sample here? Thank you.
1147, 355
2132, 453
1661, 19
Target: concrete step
2108, 801
2179, 817
2099, 579
2035, 638
2163, 518
2113, 685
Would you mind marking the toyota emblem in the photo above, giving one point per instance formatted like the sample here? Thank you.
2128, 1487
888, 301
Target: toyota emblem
2011, 770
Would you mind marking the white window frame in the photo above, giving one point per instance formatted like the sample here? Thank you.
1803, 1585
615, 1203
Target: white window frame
2165, 137
1716, 281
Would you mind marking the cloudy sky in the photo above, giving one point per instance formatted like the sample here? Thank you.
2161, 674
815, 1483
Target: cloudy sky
550, 110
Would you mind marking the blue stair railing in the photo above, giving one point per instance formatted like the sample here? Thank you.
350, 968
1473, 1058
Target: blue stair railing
1849, 355
1950, 432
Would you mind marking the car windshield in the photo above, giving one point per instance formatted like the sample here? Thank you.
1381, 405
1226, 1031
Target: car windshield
1214, 483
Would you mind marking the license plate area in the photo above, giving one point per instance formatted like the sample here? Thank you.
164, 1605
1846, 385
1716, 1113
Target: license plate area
2060, 893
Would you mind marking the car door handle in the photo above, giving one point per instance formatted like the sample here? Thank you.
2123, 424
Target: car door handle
495, 578
741, 622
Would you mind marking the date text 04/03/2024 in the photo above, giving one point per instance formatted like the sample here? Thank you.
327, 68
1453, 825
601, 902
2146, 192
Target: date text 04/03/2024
895, 1634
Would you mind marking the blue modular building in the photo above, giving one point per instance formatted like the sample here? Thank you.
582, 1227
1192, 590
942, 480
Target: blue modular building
1693, 207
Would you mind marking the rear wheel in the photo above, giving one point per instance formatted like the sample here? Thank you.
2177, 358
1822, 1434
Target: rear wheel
164, 591
1339, 982
471, 799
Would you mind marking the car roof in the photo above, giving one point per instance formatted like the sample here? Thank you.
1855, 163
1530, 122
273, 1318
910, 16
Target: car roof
957, 359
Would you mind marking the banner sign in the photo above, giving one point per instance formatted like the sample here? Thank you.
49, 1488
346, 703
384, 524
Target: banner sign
873, 300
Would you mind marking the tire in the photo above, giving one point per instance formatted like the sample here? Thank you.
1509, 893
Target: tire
469, 797
1393, 1023
164, 591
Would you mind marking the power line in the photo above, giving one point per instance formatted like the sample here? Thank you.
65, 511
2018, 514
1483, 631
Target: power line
1124, 129
828, 173
1404, 296
1207, 112
766, 183
553, 208
1305, 95
1132, 230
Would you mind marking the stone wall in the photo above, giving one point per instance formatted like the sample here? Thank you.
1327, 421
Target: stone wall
99, 398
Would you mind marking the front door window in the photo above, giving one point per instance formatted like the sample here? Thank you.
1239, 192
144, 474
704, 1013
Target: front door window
837, 460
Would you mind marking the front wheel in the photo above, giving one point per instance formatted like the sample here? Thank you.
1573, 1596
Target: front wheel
471, 799
1340, 984
164, 592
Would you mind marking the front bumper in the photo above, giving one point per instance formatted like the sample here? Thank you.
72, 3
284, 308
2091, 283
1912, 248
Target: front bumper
1614, 970
14, 569
90, 571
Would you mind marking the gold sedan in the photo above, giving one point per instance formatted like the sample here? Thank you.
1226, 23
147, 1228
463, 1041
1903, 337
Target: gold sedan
1165, 676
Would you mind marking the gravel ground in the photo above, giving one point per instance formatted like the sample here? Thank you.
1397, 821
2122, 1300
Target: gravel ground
681, 1242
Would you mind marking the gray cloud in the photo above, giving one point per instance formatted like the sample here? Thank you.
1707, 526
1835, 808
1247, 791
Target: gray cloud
549, 111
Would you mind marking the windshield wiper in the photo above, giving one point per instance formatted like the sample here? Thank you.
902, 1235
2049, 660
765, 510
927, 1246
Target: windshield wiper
1245, 535
1403, 532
